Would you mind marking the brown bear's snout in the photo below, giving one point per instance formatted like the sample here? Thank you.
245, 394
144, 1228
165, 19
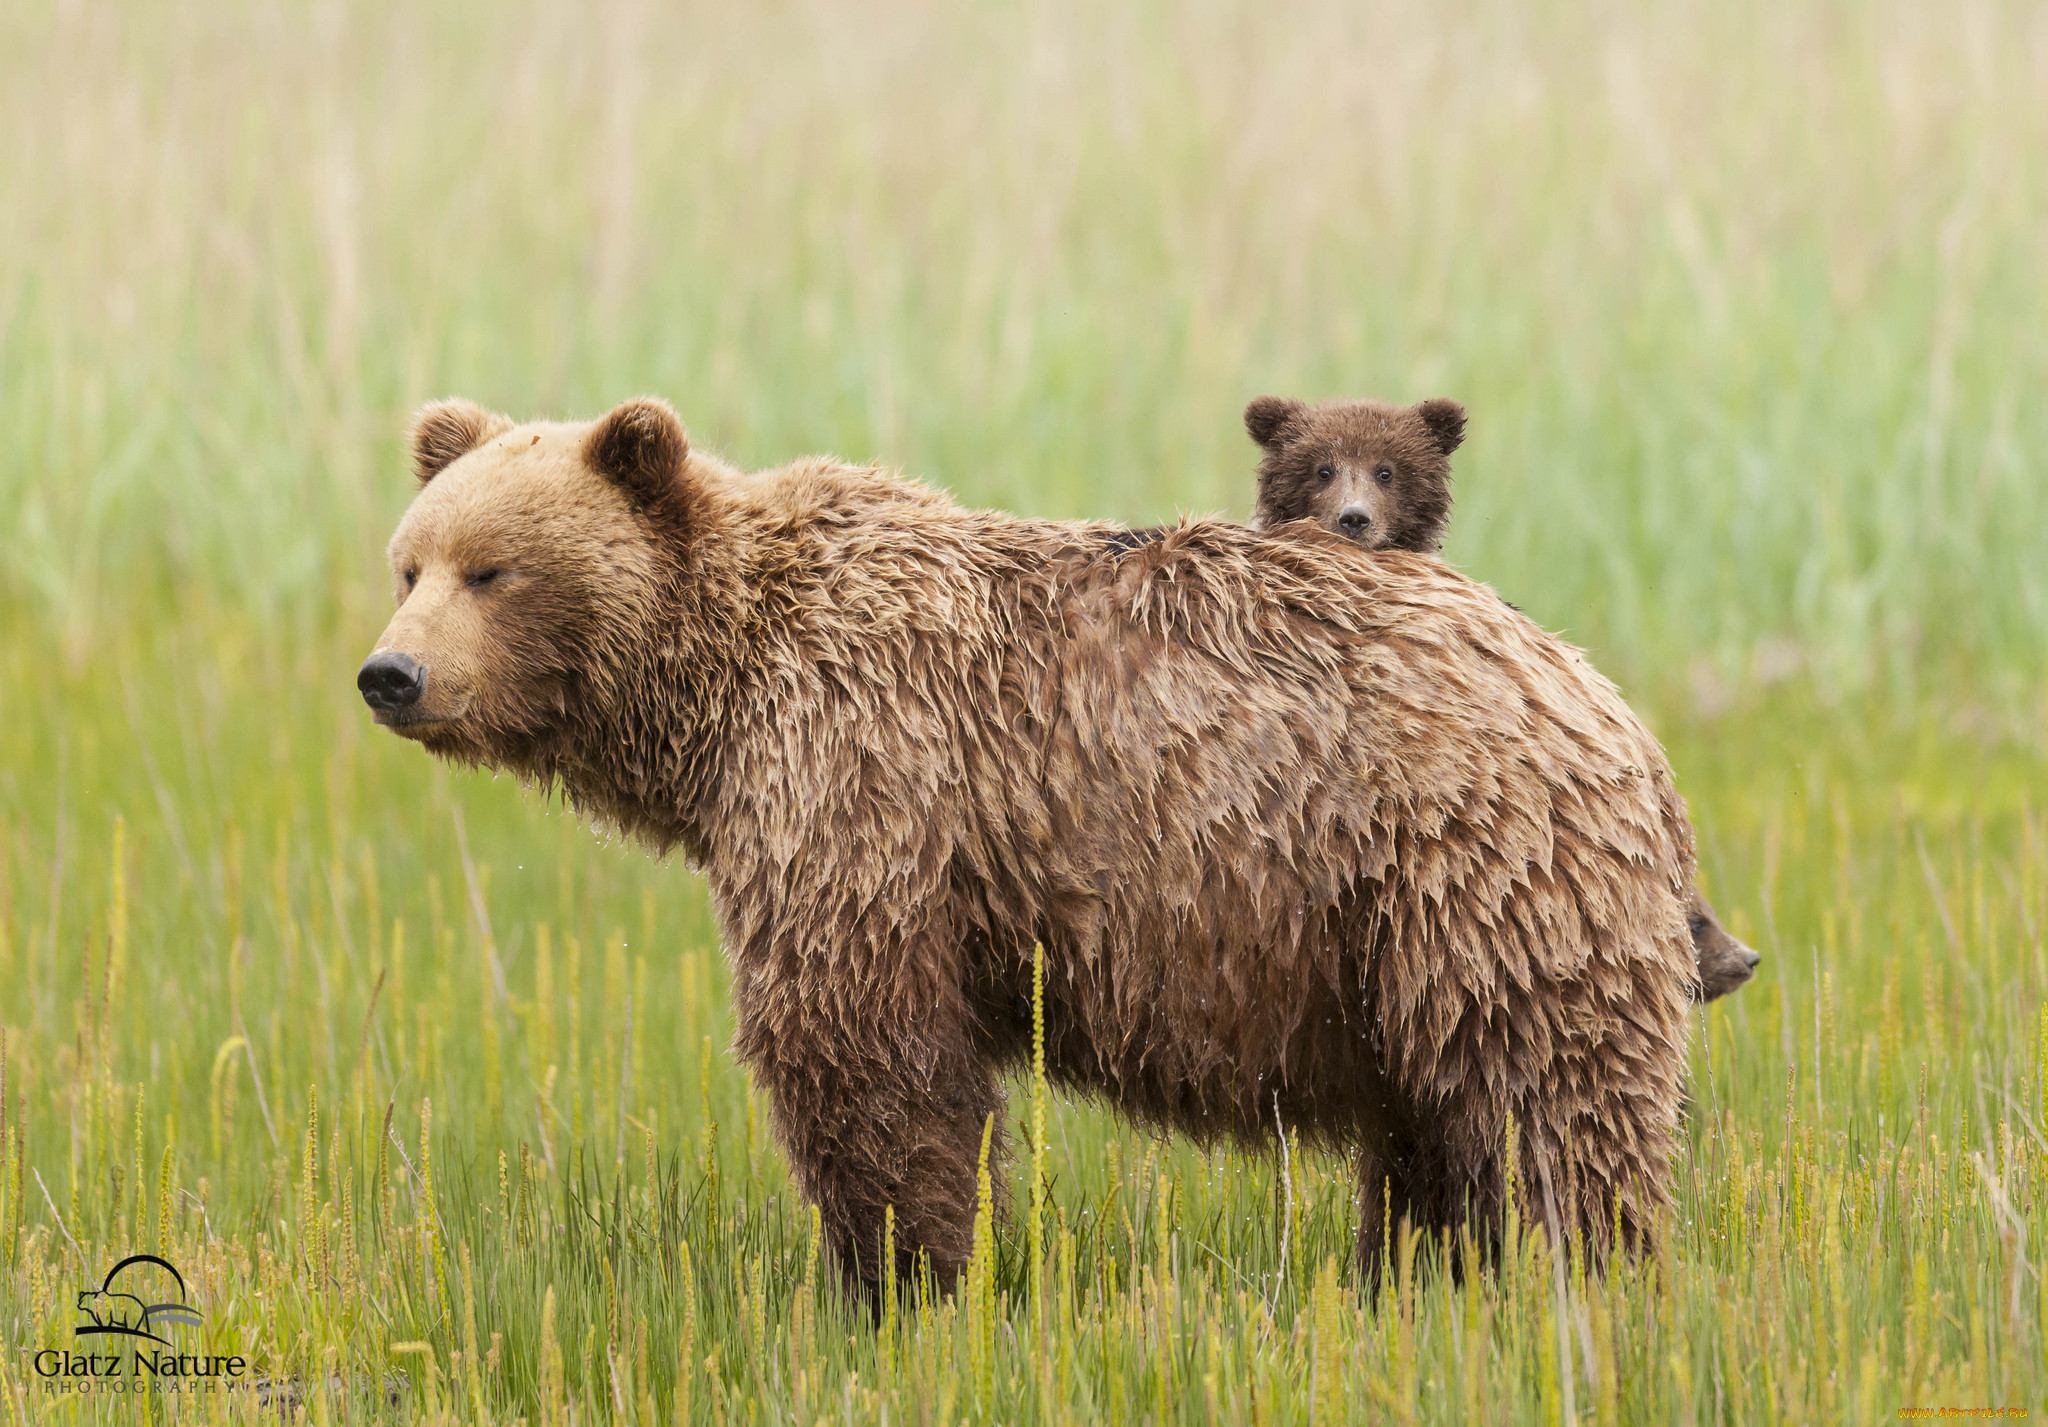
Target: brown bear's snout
1353, 520
391, 681
1725, 963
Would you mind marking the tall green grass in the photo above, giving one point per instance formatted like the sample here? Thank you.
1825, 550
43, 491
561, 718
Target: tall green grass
426, 1088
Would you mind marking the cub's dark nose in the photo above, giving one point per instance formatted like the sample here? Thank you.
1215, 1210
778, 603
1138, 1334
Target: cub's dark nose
1750, 957
391, 680
1353, 520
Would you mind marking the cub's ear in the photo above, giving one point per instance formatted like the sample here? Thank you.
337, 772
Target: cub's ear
1264, 417
1446, 422
443, 432
639, 447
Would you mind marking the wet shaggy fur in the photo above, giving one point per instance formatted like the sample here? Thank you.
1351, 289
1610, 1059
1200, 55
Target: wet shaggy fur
1396, 476
1371, 472
1311, 835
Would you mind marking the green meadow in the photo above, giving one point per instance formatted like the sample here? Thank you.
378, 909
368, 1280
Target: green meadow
424, 1086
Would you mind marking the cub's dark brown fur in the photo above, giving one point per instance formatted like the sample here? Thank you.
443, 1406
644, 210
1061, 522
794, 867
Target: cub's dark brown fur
1309, 836
1726, 963
1376, 474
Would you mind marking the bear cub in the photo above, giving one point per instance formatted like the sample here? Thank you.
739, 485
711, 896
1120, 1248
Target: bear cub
1380, 475
1371, 472
1726, 962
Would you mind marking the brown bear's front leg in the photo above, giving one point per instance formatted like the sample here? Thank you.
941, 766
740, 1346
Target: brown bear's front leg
879, 1107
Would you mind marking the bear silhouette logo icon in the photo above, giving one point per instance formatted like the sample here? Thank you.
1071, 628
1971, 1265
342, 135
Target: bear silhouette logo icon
119, 1305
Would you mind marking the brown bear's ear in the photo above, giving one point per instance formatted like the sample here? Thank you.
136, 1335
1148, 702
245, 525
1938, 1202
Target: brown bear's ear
1264, 417
639, 447
443, 432
1445, 420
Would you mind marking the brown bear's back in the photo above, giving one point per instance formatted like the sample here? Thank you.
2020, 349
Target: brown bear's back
1290, 816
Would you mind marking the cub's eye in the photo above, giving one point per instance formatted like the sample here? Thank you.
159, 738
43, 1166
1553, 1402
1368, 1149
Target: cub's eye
479, 578
1384, 475
1698, 925
1323, 472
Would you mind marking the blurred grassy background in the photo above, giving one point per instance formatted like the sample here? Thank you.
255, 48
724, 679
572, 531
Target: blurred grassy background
1745, 301
1744, 298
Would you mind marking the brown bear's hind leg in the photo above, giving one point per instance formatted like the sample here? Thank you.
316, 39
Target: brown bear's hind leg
1602, 1200
1386, 1201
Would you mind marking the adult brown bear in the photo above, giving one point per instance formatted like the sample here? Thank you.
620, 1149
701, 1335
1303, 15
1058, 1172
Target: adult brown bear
1308, 833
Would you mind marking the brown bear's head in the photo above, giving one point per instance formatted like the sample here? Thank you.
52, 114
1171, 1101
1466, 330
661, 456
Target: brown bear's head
528, 554
1725, 963
1373, 473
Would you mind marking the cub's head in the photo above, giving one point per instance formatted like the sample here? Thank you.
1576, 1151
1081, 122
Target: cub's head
531, 555
1373, 473
1725, 963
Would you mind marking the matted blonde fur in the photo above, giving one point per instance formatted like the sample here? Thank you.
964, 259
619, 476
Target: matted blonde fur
1306, 830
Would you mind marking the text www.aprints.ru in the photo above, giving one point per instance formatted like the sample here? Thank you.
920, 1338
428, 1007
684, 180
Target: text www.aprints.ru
1963, 1412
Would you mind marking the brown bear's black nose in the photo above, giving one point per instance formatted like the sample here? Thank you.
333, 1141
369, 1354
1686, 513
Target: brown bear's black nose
1353, 520
1751, 956
391, 680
